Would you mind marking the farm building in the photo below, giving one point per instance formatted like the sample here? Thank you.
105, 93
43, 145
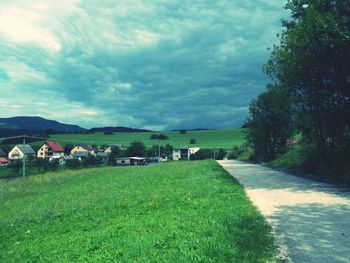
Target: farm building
50, 149
130, 161
3, 161
184, 153
82, 148
19, 151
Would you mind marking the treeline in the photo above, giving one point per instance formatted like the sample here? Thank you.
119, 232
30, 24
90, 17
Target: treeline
309, 93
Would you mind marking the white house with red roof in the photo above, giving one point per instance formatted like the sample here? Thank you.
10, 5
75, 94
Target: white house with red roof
50, 149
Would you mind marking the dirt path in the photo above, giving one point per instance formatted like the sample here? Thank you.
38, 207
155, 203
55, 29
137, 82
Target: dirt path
311, 220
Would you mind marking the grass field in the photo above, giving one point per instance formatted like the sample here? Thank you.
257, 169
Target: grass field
174, 212
206, 139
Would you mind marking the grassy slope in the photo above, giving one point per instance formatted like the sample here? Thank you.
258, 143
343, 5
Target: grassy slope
206, 139
175, 212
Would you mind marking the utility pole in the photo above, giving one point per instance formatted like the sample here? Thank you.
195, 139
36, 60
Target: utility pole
158, 150
24, 158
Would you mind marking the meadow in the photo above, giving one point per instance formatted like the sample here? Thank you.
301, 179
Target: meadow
173, 212
204, 138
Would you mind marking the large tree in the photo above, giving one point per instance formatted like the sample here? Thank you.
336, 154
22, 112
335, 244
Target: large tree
313, 61
270, 122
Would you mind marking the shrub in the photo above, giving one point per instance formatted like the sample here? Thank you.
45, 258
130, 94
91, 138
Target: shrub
193, 141
73, 164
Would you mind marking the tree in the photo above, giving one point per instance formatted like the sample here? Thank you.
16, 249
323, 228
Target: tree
136, 149
313, 61
193, 141
270, 122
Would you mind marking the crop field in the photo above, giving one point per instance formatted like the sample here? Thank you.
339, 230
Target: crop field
173, 212
206, 139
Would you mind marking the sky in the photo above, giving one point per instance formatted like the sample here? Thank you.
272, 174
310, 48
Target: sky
154, 64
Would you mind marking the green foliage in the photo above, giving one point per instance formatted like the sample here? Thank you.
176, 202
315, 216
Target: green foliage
270, 123
175, 212
242, 153
193, 141
73, 164
136, 149
313, 61
90, 161
204, 154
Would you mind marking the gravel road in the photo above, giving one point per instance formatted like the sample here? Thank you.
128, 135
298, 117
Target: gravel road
310, 219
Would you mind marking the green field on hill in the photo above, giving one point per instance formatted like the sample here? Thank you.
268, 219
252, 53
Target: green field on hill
174, 212
206, 139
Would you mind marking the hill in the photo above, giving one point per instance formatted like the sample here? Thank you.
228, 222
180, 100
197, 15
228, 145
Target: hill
205, 138
117, 129
37, 124
176, 212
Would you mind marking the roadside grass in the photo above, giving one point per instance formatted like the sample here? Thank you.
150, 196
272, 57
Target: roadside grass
206, 138
6, 172
174, 212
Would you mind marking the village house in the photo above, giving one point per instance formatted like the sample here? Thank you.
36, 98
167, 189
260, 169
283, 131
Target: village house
82, 148
19, 151
50, 149
184, 153
3, 161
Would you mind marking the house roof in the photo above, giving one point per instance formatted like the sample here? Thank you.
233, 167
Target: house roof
55, 146
80, 154
3, 160
102, 154
27, 149
85, 146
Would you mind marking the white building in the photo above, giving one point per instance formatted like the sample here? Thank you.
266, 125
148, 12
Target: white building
184, 153
19, 151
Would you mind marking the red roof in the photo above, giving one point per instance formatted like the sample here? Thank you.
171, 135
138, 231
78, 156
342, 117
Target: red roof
3, 160
55, 146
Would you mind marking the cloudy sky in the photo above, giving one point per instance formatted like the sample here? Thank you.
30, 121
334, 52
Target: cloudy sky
156, 64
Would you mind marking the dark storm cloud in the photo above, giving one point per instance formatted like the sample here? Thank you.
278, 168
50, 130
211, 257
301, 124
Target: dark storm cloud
155, 64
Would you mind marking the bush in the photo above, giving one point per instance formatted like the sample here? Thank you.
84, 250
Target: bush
73, 164
183, 132
193, 141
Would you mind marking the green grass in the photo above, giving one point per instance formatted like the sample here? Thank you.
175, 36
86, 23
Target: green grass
174, 212
10, 173
206, 139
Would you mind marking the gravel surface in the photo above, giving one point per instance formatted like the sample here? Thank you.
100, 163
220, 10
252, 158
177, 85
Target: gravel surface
310, 220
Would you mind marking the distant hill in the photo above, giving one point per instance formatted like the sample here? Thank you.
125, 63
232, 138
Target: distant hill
118, 129
35, 124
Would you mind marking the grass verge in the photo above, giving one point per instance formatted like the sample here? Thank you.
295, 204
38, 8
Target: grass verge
175, 212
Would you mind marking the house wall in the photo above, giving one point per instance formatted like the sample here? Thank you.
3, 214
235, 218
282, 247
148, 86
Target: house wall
43, 152
15, 154
123, 162
80, 149
176, 155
